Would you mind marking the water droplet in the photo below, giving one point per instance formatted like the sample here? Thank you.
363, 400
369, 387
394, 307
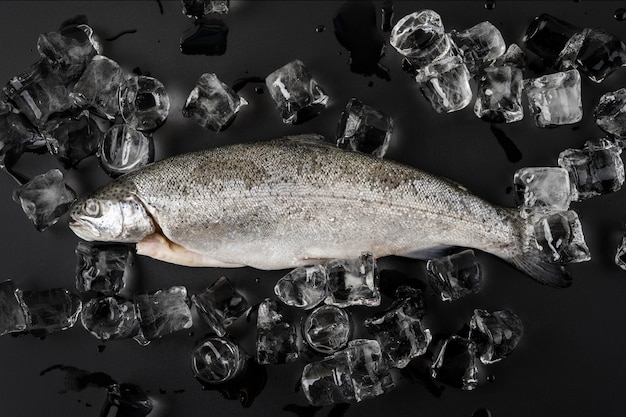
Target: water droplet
482, 412
370, 84
101, 348
620, 14
259, 90
492, 377
490, 4
190, 334
320, 28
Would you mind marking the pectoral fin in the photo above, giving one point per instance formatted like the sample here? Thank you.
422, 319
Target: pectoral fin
159, 247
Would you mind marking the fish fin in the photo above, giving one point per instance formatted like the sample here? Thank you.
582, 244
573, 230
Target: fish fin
534, 265
159, 247
431, 253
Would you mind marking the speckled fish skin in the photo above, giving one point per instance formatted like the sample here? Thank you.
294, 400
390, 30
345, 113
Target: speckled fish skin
298, 200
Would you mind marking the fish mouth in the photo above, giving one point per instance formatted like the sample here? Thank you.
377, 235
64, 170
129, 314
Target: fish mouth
84, 229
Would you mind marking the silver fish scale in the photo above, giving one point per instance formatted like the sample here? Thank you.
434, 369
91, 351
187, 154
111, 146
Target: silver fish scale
293, 201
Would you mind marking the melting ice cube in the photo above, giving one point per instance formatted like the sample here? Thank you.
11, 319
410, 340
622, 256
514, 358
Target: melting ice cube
555, 99
304, 287
353, 281
499, 95
455, 364
67, 52
365, 129
399, 330
596, 169
45, 198
163, 312
110, 318
420, 37
98, 86
479, 45
513, 57
327, 329
610, 113
101, 268
73, 138
16, 136
220, 305
199, 8
546, 36
495, 334
14, 315
216, 360
213, 104
297, 95
370, 376
542, 189
276, 339
144, 103
52, 310
124, 149
455, 276
560, 237
620, 255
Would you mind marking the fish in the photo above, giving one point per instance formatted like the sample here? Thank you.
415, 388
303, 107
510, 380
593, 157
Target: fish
295, 201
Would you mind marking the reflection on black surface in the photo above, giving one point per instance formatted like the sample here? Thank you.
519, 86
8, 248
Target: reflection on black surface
513, 154
245, 388
78, 379
242, 82
302, 410
418, 371
355, 29
205, 37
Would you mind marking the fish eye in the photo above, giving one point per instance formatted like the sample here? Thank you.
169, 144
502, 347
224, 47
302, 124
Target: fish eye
92, 207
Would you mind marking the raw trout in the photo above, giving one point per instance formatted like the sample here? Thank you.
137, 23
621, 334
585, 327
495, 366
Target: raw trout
295, 201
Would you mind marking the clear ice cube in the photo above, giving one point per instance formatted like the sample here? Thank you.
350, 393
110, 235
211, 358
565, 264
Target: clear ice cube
364, 129
620, 255
560, 237
163, 312
126, 400
495, 334
304, 287
45, 198
456, 363
220, 305
67, 52
144, 103
276, 339
399, 330
542, 190
17, 135
101, 268
513, 57
327, 329
420, 37
98, 86
38, 93
479, 45
499, 95
110, 317
370, 376
595, 169
297, 95
546, 36
14, 315
199, 8
124, 149
610, 113
215, 360
446, 84
52, 310
73, 138
353, 281
555, 99
455, 276
213, 104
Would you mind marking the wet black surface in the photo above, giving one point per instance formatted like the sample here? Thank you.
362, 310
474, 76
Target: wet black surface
569, 361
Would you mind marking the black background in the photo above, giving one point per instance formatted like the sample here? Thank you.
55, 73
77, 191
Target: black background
570, 361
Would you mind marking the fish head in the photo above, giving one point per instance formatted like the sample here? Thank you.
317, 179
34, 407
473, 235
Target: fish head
111, 217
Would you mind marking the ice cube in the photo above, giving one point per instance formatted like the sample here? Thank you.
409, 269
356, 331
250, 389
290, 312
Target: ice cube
14, 315
67, 52
52, 310
364, 129
546, 36
220, 305
555, 99
98, 86
495, 334
455, 276
499, 95
328, 381
594, 170
456, 364
110, 317
101, 268
620, 255
213, 104
560, 237
124, 149
610, 113
297, 95
45, 198
73, 138
304, 287
542, 190
479, 45
370, 376
420, 37
353, 281
276, 339
327, 329
445, 84
199, 8
126, 400
163, 312
399, 330
17, 135
215, 360
144, 103
513, 57
38, 93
